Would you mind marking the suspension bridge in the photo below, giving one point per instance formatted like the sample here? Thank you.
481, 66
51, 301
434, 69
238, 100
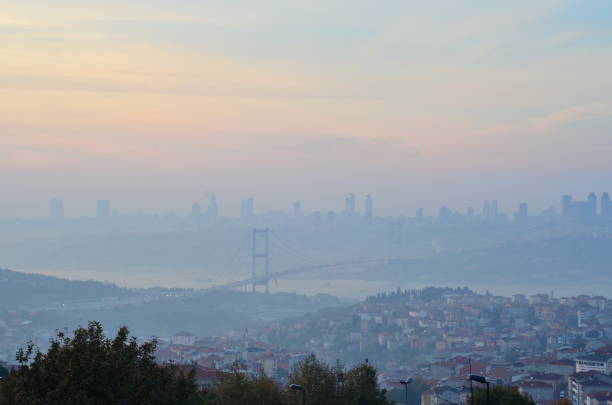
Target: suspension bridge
260, 263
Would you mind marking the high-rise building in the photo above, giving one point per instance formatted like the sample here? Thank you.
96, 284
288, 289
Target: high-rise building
591, 209
494, 210
349, 205
103, 210
213, 210
470, 211
419, 213
445, 212
297, 209
196, 212
584, 210
606, 206
566, 205
56, 209
247, 208
486, 209
369, 207
522, 213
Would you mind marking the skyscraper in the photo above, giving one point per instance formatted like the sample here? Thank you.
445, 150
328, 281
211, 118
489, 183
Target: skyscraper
494, 210
369, 207
522, 213
297, 209
583, 210
486, 209
213, 210
247, 208
606, 206
349, 205
56, 209
591, 210
419, 213
566, 205
196, 212
444, 212
103, 209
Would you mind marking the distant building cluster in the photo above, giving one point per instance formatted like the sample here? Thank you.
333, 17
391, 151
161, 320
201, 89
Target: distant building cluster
590, 209
550, 349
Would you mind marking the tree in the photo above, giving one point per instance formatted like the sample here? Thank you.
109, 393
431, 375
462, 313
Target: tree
501, 396
415, 389
321, 382
91, 369
327, 385
362, 386
3, 371
239, 388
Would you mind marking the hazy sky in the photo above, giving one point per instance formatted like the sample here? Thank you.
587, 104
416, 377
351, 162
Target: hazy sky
155, 103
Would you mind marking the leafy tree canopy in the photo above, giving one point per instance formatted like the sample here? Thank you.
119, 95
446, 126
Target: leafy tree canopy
501, 396
91, 369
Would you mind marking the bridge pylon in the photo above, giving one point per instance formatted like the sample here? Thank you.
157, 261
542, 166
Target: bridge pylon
261, 256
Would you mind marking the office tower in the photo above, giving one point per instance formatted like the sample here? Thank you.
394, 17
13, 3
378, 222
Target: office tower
103, 209
349, 205
606, 206
369, 207
419, 213
213, 210
486, 209
494, 211
196, 212
522, 212
470, 211
444, 212
566, 204
56, 209
297, 209
582, 210
331, 217
591, 206
247, 208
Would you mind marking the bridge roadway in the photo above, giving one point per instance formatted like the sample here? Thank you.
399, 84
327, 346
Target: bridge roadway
151, 297
262, 280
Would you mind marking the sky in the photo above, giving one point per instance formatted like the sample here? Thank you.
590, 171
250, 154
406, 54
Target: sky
158, 104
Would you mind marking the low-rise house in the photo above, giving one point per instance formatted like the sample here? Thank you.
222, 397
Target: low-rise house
594, 362
537, 390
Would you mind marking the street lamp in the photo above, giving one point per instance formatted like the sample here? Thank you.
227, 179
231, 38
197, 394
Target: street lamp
297, 387
482, 380
405, 384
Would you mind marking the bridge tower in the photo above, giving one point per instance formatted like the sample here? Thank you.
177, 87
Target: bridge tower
261, 256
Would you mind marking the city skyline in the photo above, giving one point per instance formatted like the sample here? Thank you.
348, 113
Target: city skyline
595, 205
270, 100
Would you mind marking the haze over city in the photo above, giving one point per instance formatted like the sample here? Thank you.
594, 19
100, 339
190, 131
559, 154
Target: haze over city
153, 104
233, 202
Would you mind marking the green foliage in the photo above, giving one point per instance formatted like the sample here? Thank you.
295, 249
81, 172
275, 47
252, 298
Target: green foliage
91, 369
239, 388
327, 385
501, 396
3, 371
415, 390
362, 386
323, 383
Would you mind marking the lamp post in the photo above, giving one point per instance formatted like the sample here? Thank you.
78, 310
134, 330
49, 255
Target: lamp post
297, 387
405, 384
482, 380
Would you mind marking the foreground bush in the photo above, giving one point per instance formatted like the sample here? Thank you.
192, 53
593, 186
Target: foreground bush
91, 369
